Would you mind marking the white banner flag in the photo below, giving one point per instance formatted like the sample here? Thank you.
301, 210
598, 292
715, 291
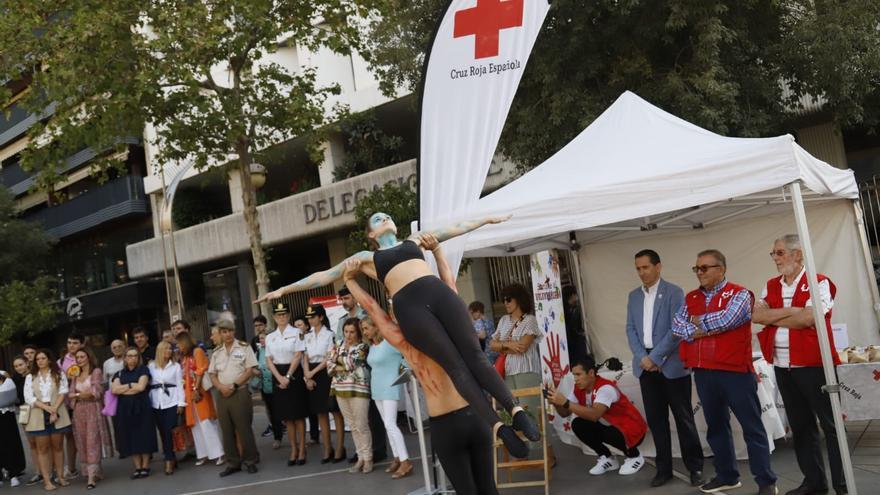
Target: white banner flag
473, 69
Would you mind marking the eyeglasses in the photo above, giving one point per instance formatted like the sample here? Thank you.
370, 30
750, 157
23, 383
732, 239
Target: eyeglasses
703, 268
779, 253
507, 299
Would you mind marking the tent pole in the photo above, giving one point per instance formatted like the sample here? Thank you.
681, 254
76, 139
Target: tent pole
831, 387
866, 251
580, 288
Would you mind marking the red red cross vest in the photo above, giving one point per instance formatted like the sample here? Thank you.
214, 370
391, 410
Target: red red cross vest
803, 342
622, 415
730, 350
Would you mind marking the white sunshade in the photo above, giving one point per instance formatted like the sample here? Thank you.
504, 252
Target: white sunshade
636, 161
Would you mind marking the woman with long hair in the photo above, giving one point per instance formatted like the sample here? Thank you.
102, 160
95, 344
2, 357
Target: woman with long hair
201, 417
90, 430
22, 366
347, 366
136, 436
433, 318
385, 362
319, 342
44, 391
167, 399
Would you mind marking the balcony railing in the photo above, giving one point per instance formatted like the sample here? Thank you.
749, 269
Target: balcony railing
19, 121
19, 181
115, 199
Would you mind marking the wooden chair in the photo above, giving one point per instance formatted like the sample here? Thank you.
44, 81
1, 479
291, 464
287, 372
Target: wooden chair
531, 464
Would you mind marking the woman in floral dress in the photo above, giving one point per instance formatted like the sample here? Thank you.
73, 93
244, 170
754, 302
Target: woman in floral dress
90, 430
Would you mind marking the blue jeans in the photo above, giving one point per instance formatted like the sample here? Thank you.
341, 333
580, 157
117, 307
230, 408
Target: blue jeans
720, 393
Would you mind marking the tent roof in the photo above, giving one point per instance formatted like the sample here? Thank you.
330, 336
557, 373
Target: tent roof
637, 168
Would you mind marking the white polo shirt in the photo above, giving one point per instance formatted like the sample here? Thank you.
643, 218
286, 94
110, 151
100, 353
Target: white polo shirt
318, 345
283, 344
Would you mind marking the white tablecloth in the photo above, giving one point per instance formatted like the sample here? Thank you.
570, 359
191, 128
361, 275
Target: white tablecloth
629, 385
860, 390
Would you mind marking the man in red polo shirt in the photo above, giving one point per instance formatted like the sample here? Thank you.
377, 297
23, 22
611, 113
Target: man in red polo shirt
789, 340
715, 325
604, 416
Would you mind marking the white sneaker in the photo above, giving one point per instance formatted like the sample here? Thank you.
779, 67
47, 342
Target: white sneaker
14, 481
632, 465
604, 464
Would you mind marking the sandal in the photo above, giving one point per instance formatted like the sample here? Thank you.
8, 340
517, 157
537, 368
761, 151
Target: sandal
50, 488
90, 486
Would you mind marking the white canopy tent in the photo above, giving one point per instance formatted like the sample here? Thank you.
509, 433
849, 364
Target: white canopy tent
637, 170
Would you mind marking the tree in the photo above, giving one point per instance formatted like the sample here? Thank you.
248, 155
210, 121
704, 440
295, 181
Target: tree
722, 65
197, 72
27, 302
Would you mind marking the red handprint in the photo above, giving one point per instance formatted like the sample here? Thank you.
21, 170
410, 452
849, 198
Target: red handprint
556, 370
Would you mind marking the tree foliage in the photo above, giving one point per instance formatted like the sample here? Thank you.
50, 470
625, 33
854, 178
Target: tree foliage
368, 147
722, 65
397, 200
27, 301
202, 72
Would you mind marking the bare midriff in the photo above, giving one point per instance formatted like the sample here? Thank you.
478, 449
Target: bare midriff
441, 396
404, 273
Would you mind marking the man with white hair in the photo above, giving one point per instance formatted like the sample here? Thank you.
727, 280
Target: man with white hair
790, 341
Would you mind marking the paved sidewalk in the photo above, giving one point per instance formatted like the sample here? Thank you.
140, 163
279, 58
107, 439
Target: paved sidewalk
570, 477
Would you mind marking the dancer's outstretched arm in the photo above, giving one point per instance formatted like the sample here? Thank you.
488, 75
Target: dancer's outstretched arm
320, 279
455, 230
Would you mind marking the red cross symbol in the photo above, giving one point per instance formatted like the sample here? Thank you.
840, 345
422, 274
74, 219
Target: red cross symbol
877, 375
485, 21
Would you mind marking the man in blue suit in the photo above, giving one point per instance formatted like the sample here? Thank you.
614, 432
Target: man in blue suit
664, 382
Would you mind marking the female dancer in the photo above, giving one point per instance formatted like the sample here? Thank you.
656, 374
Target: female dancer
433, 318
462, 440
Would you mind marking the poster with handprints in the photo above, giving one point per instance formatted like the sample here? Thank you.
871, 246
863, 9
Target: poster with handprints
547, 288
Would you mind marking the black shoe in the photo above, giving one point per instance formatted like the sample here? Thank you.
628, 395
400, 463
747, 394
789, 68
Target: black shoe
301, 462
341, 457
806, 489
145, 473
327, 459
697, 478
229, 470
524, 423
716, 485
768, 490
135, 475
251, 468
291, 462
353, 459
513, 442
661, 479
267, 432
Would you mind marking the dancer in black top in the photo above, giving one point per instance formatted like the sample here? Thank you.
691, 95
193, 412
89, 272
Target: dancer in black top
433, 318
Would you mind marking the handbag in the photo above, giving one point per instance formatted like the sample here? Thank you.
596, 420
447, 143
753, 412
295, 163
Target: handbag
111, 401
24, 414
499, 364
178, 438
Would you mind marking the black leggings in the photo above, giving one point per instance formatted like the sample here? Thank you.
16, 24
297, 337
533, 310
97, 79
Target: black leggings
463, 442
595, 435
436, 322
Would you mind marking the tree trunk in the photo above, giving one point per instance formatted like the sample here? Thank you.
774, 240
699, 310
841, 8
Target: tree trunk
252, 222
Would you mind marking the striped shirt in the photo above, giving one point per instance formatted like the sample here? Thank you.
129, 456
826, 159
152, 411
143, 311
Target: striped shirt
508, 330
737, 312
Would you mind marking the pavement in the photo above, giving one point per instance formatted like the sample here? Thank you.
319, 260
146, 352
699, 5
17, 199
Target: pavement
569, 477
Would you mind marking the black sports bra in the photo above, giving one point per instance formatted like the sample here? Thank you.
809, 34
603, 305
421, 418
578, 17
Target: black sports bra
386, 259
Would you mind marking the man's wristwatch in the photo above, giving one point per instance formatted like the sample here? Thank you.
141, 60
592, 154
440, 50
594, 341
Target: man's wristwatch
235, 386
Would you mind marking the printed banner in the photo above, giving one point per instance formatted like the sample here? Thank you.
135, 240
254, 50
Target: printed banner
860, 391
473, 69
547, 289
